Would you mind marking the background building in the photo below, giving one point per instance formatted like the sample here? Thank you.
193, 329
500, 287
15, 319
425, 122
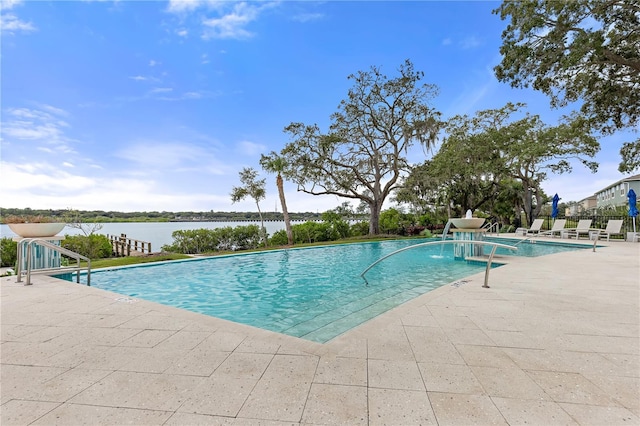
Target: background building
616, 194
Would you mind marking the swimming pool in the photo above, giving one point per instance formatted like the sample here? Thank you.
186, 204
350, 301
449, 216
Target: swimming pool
313, 293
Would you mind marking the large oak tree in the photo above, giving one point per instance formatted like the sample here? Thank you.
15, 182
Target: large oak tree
481, 154
363, 153
578, 50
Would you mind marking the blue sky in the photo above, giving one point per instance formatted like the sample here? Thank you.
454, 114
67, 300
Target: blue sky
157, 105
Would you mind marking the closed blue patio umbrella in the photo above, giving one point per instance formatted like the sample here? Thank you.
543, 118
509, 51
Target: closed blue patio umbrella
633, 210
554, 206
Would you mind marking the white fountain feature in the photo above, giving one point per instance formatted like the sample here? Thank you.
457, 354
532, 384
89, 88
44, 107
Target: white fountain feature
468, 228
468, 222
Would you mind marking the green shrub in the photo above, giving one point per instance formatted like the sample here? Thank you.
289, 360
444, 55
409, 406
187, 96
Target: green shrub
195, 241
279, 238
390, 221
337, 227
359, 229
426, 233
94, 246
247, 237
311, 232
8, 252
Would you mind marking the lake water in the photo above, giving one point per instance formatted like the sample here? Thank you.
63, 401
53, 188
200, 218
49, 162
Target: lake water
157, 233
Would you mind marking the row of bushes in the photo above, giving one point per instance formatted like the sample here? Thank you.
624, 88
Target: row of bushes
316, 232
195, 241
199, 241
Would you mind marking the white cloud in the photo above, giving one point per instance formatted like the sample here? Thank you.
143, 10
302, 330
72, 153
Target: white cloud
153, 63
185, 96
184, 6
192, 95
46, 185
470, 42
138, 78
53, 110
247, 148
231, 25
161, 90
307, 17
153, 157
9, 4
41, 177
230, 19
468, 99
581, 184
39, 126
11, 24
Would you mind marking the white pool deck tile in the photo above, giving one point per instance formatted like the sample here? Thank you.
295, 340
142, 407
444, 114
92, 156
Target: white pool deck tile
554, 341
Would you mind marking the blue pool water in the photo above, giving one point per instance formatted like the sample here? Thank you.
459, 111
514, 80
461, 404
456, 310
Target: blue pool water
313, 293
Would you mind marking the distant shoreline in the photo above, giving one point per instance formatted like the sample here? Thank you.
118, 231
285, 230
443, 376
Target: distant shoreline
243, 220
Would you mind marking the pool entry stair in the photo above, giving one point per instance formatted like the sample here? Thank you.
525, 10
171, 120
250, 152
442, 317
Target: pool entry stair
343, 314
338, 313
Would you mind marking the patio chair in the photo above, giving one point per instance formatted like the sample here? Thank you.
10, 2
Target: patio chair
558, 227
584, 226
535, 228
613, 228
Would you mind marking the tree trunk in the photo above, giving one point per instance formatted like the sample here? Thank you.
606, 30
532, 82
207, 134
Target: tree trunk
262, 229
374, 221
285, 212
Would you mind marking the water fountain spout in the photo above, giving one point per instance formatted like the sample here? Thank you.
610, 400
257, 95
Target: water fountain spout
469, 214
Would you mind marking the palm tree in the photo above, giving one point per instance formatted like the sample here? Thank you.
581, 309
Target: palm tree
251, 188
273, 163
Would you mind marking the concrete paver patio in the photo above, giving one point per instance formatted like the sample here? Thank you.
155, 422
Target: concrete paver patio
554, 341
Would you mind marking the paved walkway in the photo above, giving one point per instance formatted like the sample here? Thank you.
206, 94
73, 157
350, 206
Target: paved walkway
554, 341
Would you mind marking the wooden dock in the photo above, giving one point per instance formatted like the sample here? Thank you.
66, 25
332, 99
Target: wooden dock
124, 246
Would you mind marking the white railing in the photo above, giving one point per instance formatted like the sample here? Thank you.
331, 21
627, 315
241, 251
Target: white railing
29, 242
493, 227
462, 242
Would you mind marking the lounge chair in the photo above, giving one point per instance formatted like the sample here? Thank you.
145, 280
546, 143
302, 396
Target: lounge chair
535, 228
558, 226
584, 226
613, 228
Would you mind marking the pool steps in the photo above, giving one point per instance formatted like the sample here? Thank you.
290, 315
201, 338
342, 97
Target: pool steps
321, 326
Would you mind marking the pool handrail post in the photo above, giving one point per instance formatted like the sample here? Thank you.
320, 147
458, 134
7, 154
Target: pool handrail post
486, 272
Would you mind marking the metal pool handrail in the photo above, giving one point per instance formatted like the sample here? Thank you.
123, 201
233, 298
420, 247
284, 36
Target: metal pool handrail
30, 241
488, 243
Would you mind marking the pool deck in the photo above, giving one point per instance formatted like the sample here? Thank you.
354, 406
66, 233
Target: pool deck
554, 341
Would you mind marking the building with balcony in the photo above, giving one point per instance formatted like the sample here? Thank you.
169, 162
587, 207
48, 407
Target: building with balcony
615, 194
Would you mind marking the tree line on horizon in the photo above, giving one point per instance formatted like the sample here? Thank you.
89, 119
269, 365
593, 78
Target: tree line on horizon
155, 216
